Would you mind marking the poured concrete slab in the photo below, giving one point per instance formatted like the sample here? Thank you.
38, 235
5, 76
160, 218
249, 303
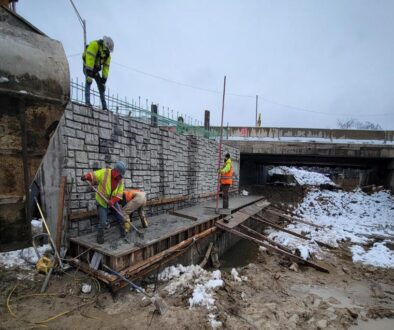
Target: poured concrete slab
160, 227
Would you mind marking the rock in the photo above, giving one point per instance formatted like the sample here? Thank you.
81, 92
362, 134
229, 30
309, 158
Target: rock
277, 276
322, 324
353, 313
294, 267
294, 318
334, 301
86, 288
144, 302
346, 270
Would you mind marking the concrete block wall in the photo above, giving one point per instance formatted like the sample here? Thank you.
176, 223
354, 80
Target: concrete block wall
162, 163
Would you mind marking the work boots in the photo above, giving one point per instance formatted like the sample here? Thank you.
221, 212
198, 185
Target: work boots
100, 236
144, 222
122, 231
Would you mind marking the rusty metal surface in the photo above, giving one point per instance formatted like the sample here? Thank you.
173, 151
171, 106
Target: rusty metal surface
31, 64
34, 90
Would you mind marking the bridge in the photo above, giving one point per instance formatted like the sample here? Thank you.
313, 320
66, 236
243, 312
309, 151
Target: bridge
364, 149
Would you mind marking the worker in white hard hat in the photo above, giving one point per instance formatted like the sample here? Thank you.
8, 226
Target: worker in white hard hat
96, 58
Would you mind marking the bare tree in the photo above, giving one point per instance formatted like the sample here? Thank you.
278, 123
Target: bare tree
356, 124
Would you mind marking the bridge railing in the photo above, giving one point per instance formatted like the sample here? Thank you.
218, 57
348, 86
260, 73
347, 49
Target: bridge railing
305, 134
123, 107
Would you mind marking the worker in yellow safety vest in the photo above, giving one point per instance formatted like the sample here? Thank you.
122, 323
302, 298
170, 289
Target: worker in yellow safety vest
96, 58
226, 179
110, 185
134, 199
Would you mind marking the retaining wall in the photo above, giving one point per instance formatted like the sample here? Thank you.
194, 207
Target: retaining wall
162, 163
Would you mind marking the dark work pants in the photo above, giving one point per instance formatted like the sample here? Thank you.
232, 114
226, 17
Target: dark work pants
225, 189
103, 216
100, 87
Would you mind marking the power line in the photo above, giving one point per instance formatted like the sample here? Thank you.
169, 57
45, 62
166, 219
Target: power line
296, 108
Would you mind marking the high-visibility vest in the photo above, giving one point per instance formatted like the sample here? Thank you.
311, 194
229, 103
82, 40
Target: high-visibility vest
227, 173
103, 179
130, 194
96, 56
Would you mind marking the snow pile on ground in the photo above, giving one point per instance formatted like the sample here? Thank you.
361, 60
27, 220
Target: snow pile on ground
18, 258
202, 282
354, 216
302, 177
193, 277
24, 258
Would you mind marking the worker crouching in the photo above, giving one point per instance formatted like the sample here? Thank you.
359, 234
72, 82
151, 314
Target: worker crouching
109, 194
134, 199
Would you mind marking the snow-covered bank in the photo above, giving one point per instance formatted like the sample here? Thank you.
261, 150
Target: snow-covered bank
302, 177
355, 217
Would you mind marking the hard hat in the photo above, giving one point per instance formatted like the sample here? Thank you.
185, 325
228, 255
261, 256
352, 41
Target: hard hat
121, 167
109, 43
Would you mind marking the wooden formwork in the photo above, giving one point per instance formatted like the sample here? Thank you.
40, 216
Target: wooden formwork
141, 257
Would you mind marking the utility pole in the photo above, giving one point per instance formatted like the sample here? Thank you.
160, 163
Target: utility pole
257, 102
83, 23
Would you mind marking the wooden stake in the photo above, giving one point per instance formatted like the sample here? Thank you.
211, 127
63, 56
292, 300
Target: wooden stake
59, 223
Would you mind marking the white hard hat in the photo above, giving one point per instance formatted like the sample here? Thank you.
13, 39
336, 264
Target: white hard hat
109, 43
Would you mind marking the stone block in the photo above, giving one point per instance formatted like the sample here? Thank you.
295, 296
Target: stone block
84, 225
81, 156
75, 144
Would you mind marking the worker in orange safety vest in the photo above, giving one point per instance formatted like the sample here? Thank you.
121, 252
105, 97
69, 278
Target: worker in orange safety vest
132, 200
226, 179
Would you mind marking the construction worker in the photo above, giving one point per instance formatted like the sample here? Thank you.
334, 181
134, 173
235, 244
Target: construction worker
96, 58
226, 179
134, 199
110, 185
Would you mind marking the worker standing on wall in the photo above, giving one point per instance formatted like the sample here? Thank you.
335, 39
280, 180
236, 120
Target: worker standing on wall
110, 185
96, 58
134, 199
226, 179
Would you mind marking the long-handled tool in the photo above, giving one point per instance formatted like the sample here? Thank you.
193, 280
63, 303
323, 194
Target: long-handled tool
139, 233
159, 303
49, 234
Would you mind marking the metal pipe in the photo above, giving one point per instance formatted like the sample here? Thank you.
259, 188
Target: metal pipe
220, 146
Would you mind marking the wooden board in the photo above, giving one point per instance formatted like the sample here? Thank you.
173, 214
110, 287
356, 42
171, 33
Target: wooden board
243, 214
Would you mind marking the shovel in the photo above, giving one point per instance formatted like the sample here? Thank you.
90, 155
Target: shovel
139, 233
157, 301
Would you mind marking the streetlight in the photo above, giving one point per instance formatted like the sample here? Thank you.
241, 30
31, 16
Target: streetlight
83, 23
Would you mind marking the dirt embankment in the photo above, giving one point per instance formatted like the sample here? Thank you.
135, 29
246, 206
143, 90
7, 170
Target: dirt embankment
272, 295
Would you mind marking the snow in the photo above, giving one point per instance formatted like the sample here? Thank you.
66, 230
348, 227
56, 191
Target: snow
4, 80
202, 282
214, 323
379, 255
354, 217
302, 177
14, 259
235, 275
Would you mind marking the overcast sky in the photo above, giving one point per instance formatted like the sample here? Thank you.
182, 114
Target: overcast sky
310, 62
